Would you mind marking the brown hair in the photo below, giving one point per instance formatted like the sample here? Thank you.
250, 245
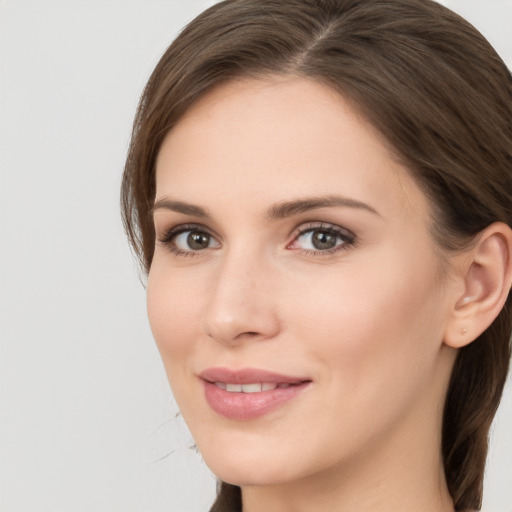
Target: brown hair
437, 91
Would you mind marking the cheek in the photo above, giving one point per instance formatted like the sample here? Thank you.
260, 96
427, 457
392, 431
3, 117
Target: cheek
373, 322
173, 313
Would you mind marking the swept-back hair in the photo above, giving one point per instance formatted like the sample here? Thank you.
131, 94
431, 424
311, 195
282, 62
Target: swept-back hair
434, 88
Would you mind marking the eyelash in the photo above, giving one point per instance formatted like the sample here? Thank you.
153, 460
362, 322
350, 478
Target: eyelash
347, 237
168, 239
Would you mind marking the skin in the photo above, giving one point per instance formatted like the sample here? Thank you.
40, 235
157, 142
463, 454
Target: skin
365, 322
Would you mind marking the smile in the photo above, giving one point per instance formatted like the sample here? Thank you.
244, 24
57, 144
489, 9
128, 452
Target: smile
249, 393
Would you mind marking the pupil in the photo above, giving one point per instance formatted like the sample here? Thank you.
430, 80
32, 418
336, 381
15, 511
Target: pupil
322, 240
198, 241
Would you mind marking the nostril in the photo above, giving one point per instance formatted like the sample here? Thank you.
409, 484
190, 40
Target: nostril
248, 334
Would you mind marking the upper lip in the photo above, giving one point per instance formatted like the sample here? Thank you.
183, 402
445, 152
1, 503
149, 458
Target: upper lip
248, 376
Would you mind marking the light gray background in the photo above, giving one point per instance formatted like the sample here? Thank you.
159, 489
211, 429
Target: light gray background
86, 414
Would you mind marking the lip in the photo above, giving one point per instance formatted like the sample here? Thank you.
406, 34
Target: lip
248, 376
247, 406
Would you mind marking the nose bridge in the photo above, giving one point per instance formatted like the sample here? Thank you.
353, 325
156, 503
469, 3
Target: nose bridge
241, 303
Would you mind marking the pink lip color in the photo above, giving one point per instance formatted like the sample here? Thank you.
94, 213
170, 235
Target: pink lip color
247, 406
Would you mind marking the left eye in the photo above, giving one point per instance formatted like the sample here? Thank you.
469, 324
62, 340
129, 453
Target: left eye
321, 240
193, 240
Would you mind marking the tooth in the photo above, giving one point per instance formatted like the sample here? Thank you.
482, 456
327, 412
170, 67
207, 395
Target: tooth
251, 388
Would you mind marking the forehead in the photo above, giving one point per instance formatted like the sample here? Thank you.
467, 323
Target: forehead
270, 140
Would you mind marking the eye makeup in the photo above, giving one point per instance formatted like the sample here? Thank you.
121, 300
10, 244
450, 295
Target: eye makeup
196, 236
311, 239
321, 239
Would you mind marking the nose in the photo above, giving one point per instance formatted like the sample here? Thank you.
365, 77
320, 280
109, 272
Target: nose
241, 302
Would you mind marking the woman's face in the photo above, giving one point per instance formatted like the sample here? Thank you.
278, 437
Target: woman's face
296, 294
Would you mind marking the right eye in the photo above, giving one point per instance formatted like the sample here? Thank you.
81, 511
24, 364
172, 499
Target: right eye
188, 240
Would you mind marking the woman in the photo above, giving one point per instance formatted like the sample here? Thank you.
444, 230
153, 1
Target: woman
320, 193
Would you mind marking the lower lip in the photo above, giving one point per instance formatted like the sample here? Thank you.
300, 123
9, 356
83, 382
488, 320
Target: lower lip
247, 406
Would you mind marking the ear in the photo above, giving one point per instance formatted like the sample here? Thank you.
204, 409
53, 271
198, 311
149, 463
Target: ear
485, 272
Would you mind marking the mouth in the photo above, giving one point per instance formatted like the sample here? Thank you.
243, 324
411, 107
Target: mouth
249, 393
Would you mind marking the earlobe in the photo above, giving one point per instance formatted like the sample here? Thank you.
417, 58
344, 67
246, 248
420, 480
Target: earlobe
487, 279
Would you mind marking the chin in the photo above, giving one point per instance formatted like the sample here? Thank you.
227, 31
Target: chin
243, 476
250, 466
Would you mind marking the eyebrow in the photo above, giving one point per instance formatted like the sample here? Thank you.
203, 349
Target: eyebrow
289, 208
277, 211
180, 207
